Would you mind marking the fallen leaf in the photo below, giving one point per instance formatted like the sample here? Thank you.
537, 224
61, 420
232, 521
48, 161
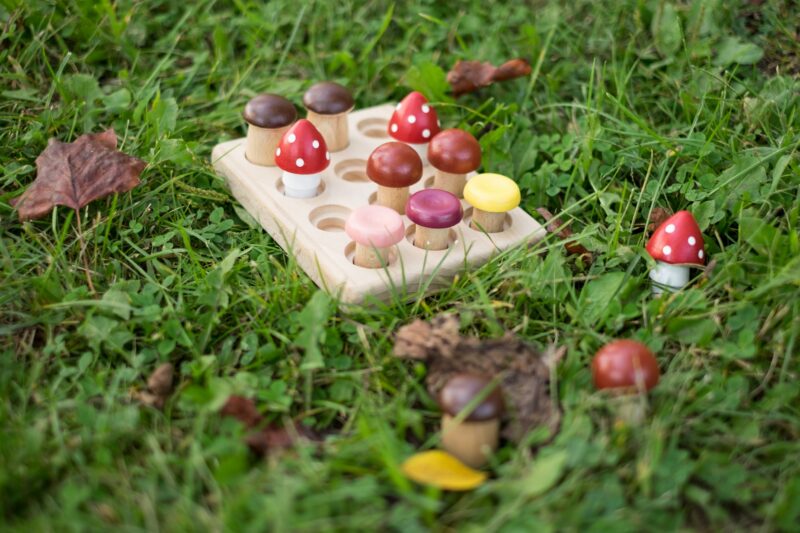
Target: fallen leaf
242, 409
469, 76
554, 225
657, 216
524, 372
74, 174
160, 381
442, 470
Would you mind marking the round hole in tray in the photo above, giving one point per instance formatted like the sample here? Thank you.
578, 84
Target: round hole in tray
411, 229
282, 189
352, 170
329, 217
373, 127
468, 221
350, 254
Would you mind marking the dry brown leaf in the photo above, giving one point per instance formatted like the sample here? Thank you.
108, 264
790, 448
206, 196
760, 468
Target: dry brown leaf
469, 76
554, 226
657, 216
524, 372
160, 381
74, 174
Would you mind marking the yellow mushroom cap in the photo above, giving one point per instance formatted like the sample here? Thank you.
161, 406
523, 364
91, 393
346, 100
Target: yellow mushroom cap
492, 193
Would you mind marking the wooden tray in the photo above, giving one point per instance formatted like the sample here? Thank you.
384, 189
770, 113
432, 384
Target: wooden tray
312, 229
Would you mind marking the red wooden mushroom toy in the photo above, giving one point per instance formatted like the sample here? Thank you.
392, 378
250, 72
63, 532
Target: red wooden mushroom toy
625, 367
394, 167
414, 122
676, 245
453, 153
302, 155
434, 212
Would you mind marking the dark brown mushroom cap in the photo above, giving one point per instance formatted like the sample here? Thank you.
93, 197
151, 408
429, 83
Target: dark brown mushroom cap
328, 98
269, 111
462, 389
454, 151
394, 164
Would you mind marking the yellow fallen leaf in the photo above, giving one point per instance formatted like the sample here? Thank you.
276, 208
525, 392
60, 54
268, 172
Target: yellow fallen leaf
442, 470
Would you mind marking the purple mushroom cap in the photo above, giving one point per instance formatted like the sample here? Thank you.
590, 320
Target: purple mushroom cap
434, 208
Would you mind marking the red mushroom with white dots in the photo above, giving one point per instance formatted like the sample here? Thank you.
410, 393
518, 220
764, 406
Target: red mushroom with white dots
414, 122
302, 155
676, 245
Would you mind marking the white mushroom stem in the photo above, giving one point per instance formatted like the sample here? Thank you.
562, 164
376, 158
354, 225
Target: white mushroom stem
301, 185
470, 442
665, 275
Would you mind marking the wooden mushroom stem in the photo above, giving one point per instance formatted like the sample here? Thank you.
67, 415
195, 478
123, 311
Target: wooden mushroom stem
431, 238
667, 275
452, 183
370, 256
262, 143
630, 407
470, 442
334, 129
393, 197
486, 221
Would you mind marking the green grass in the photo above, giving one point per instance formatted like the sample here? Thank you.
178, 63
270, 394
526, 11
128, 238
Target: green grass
633, 105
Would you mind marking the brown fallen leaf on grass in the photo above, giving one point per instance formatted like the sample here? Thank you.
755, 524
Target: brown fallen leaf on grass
657, 216
159, 387
74, 174
554, 225
524, 372
272, 437
469, 76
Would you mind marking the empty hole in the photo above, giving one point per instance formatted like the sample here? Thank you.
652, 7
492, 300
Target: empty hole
352, 170
350, 254
329, 217
282, 189
468, 221
411, 230
373, 127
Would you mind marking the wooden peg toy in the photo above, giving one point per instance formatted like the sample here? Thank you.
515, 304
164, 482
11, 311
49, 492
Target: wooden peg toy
327, 106
394, 167
453, 153
415, 123
268, 116
676, 245
476, 437
491, 197
302, 155
626, 368
375, 229
434, 212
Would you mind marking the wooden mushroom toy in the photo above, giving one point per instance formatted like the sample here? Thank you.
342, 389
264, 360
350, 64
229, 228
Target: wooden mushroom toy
676, 245
327, 106
453, 153
394, 167
434, 212
268, 117
491, 197
375, 229
302, 155
414, 122
474, 439
625, 368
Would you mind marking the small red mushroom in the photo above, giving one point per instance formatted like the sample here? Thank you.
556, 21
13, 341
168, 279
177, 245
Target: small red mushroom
624, 367
302, 155
676, 245
414, 122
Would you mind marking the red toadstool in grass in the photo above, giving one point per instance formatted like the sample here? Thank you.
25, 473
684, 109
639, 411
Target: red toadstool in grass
302, 155
414, 122
394, 167
676, 245
453, 153
625, 368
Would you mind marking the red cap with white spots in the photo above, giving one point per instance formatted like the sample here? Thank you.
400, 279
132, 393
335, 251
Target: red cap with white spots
678, 241
414, 120
302, 150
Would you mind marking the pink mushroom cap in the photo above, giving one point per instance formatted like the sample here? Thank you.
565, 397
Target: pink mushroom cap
375, 225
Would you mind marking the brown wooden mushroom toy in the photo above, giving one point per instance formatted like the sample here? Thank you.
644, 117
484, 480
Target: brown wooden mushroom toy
434, 212
626, 367
474, 439
394, 166
302, 155
415, 122
327, 105
453, 153
676, 245
268, 116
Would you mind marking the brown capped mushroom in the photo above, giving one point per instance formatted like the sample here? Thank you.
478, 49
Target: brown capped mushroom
453, 153
327, 105
474, 439
394, 166
268, 116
